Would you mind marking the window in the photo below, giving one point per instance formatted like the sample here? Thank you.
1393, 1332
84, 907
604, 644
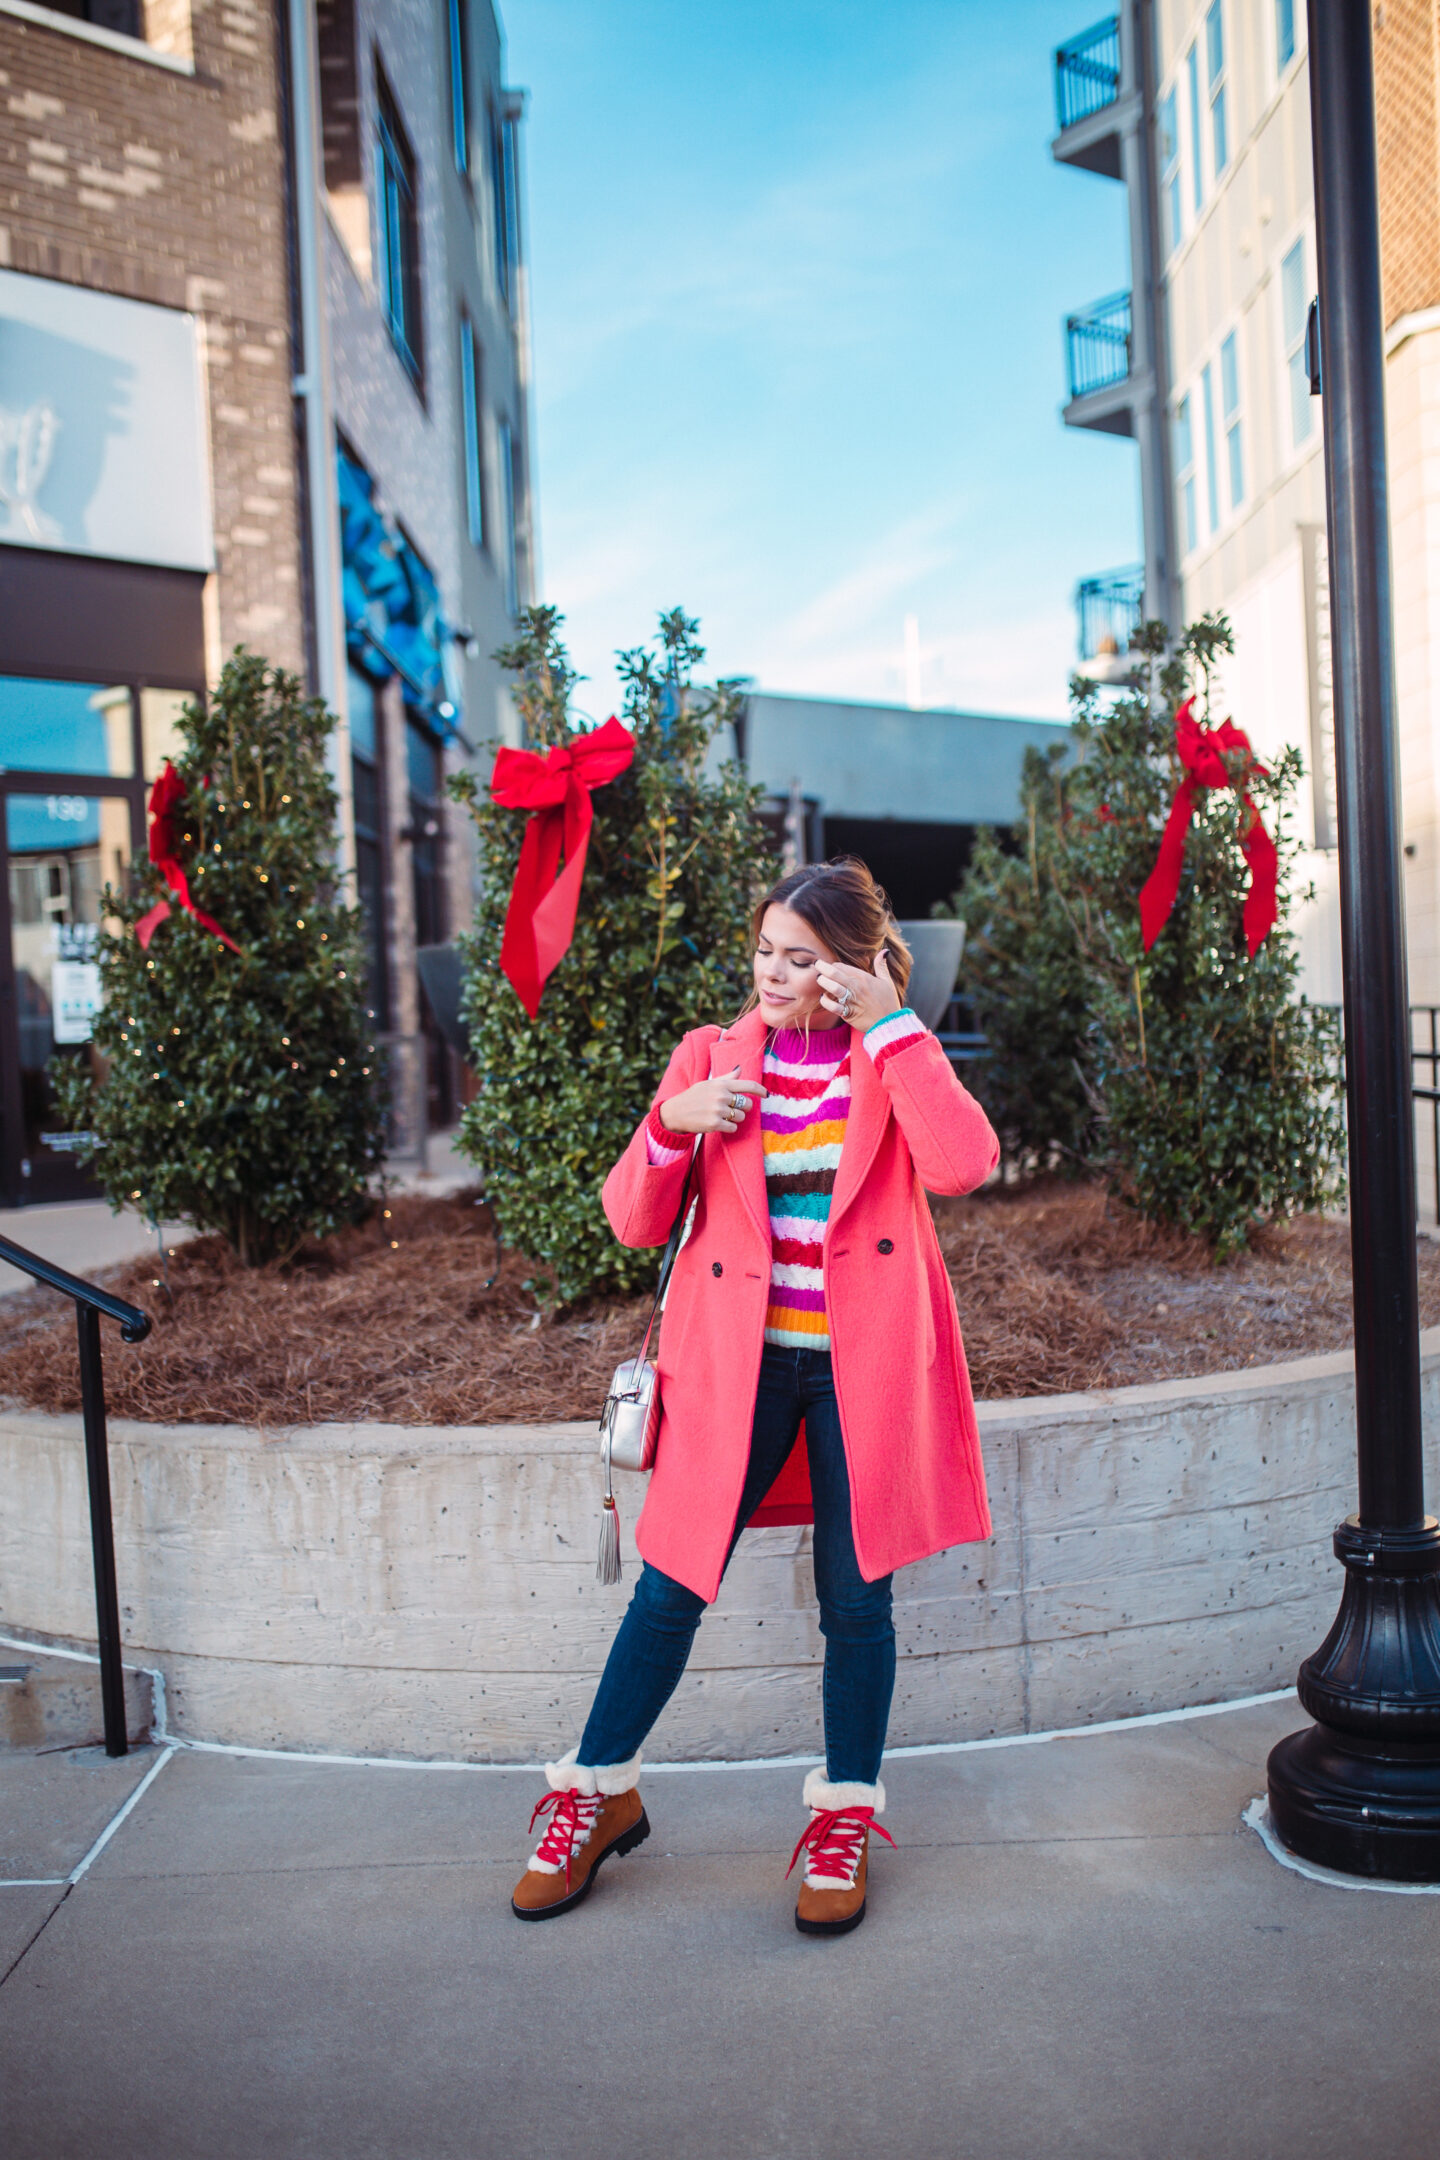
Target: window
1169, 144
1215, 70
1230, 412
1284, 34
471, 385
398, 230
161, 26
66, 727
1197, 176
459, 105
122, 15
1212, 478
505, 188
1185, 473
426, 781
369, 838
1294, 307
507, 482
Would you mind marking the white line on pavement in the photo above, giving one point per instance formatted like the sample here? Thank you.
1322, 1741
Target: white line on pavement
757, 1762
119, 1816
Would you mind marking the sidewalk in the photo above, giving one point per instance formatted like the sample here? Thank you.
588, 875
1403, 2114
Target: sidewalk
1077, 1953
83, 1235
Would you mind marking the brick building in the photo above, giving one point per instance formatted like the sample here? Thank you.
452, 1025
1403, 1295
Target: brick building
263, 380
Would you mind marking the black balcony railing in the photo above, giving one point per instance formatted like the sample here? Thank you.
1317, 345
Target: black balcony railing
1097, 345
1111, 607
90, 1302
1087, 73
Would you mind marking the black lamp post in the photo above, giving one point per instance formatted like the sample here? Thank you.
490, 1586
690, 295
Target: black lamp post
1360, 1791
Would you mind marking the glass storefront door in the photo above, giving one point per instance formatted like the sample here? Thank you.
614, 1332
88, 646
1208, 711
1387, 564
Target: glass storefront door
61, 851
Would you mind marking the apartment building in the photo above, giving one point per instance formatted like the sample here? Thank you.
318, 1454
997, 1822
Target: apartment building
1201, 108
263, 381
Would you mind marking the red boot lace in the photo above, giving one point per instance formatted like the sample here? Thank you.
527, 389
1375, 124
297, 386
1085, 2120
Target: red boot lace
835, 1841
572, 1818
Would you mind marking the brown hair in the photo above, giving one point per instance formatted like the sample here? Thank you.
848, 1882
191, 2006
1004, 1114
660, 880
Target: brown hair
847, 909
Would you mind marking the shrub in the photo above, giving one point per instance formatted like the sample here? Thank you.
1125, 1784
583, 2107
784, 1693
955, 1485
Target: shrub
661, 944
1023, 979
1213, 1090
239, 1089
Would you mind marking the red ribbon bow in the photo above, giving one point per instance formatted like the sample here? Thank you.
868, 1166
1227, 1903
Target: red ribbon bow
540, 921
165, 798
1202, 753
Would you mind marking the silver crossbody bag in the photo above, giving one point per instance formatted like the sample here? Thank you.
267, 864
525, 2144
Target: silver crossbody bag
630, 1420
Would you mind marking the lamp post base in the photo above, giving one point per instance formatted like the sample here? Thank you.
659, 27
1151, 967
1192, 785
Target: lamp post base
1360, 1791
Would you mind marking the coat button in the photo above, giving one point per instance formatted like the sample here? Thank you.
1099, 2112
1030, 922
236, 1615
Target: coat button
886, 1245
716, 1268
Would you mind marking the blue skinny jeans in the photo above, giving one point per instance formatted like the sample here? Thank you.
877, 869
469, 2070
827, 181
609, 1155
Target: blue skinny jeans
652, 1646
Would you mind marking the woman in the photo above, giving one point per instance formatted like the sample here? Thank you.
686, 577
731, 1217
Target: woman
811, 1289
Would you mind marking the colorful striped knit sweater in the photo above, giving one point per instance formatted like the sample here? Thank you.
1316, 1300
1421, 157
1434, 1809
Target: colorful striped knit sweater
802, 1124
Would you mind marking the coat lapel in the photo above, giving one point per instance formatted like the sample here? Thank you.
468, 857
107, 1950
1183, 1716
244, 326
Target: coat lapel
869, 1111
744, 1152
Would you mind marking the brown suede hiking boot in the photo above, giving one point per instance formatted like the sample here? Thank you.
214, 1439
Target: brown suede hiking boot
837, 1846
592, 1814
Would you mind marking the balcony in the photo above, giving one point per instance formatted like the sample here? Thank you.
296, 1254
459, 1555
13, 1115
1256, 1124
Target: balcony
1110, 609
1090, 112
1098, 355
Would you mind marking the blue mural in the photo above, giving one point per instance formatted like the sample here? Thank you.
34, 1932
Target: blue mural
394, 623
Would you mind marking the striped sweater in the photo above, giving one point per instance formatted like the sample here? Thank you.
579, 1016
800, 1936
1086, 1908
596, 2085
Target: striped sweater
802, 1126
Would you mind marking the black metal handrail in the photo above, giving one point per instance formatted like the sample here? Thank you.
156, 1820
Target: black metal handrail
1097, 345
90, 1301
1087, 73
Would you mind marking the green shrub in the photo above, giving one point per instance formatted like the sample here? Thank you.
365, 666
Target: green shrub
1023, 979
677, 857
1213, 1091
239, 1090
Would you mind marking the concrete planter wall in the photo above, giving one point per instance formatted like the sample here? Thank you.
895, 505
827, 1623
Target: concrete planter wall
381, 1589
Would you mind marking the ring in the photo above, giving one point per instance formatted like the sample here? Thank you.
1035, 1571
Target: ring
737, 1104
847, 1004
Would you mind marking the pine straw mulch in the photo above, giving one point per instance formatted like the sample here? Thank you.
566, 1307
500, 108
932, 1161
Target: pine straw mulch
1058, 1289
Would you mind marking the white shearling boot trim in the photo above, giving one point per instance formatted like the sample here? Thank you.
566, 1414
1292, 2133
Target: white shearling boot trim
570, 1775
820, 1793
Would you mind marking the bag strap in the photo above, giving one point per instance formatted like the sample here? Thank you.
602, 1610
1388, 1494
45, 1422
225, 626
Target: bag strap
672, 1249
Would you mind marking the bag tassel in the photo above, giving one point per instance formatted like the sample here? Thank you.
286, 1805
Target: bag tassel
607, 1567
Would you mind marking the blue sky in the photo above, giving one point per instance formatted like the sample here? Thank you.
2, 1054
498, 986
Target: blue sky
798, 275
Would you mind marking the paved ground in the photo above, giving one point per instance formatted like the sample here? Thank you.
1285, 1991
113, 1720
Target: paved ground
83, 1235
1077, 1953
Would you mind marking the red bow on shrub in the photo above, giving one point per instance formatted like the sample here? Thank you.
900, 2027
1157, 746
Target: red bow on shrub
165, 798
543, 900
1202, 754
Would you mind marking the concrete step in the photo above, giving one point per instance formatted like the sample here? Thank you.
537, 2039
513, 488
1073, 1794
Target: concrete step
48, 1701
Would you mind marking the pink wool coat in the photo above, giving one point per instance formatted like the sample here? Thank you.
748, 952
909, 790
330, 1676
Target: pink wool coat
916, 1480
